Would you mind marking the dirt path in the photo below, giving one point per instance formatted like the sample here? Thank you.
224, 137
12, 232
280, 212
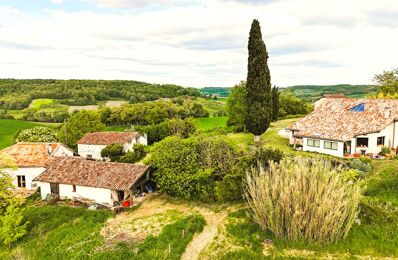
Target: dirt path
120, 228
200, 241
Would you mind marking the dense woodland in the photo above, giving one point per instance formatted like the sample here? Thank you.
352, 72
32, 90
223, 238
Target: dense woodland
18, 94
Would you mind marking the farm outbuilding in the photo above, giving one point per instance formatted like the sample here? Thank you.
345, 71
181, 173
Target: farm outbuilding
91, 144
98, 181
30, 160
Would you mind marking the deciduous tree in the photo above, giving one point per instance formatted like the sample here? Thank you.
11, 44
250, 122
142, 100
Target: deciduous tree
78, 125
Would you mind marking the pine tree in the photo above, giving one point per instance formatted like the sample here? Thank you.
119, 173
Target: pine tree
275, 103
258, 84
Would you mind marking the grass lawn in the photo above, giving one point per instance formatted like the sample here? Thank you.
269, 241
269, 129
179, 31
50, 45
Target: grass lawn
206, 123
8, 129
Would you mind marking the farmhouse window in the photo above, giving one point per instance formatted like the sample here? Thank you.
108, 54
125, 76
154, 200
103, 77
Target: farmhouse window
21, 181
313, 143
380, 140
330, 145
362, 142
89, 156
73, 188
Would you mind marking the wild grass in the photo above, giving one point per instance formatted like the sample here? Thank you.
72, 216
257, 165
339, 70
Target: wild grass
302, 200
170, 244
59, 232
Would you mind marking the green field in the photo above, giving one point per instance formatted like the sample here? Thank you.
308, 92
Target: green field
41, 105
38, 103
9, 128
206, 123
210, 105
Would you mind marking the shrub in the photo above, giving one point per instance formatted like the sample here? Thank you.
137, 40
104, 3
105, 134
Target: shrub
113, 152
133, 157
282, 199
362, 167
264, 155
37, 134
385, 150
191, 168
350, 175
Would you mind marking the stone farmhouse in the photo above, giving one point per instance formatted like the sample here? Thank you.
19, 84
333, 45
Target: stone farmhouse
342, 126
91, 144
102, 182
30, 161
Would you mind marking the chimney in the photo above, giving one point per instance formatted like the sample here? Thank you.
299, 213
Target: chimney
49, 149
387, 112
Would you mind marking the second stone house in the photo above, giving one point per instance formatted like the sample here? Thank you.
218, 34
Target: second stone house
91, 145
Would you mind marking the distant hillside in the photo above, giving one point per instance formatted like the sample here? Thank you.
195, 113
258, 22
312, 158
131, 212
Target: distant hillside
222, 92
19, 93
314, 92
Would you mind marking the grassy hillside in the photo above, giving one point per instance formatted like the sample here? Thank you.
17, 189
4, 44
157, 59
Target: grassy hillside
9, 128
314, 92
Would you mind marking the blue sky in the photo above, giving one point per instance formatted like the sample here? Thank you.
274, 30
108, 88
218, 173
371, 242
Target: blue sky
197, 43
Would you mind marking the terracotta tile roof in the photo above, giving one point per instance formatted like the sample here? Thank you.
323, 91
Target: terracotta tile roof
79, 171
106, 138
332, 118
31, 154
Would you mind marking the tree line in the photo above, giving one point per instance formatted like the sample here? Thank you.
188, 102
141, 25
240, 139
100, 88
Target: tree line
18, 94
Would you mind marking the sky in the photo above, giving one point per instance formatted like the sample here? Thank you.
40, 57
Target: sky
197, 43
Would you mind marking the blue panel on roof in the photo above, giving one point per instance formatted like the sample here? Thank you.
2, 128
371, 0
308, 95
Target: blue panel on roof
358, 108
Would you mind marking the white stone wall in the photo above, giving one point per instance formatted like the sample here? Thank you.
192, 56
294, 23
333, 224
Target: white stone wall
29, 173
62, 151
388, 134
94, 150
339, 152
99, 195
44, 189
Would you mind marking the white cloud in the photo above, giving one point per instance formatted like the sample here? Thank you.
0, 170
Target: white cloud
203, 43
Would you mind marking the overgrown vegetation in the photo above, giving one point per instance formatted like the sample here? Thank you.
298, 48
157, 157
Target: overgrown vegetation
283, 196
170, 244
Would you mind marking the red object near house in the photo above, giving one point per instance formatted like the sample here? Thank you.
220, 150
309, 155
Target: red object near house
126, 204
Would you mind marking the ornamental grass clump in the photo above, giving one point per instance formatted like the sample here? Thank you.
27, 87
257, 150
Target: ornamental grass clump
302, 200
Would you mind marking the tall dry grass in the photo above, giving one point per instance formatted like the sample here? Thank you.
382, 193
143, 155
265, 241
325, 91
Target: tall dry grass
302, 199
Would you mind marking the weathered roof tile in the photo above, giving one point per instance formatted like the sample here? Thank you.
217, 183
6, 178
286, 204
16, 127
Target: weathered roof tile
334, 118
79, 171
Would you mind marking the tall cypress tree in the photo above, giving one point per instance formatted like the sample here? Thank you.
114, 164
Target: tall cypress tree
258, 84
275, 103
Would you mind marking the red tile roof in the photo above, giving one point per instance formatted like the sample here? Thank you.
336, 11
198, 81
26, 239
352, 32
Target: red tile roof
332, 118
31, 154
98, 174
106, 138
